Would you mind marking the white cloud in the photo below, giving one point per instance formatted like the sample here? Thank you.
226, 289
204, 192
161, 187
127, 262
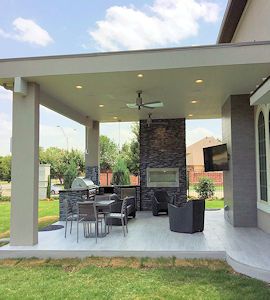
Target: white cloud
26, 30
5, 95
165, 22
196, 134
5, 134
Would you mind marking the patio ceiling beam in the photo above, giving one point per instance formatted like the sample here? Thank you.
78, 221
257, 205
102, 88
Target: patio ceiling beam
262, 94
65, 110
173, 58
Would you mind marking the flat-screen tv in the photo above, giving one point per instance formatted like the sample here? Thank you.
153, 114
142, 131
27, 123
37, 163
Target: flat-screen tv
216, 158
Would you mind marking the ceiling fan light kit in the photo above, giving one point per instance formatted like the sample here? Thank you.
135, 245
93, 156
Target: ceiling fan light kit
140, 104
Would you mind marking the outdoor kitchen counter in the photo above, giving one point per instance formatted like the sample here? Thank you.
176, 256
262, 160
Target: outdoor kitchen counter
73, 195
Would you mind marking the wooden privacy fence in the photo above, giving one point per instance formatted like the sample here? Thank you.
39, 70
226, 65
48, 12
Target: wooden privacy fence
105, 179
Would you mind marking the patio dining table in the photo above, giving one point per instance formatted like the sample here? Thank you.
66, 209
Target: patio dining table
103, 206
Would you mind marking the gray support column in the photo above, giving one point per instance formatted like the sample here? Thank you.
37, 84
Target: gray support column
240, 181
92, 153
25, 163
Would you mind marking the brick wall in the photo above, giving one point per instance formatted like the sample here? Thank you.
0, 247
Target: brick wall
162, 146
194, 177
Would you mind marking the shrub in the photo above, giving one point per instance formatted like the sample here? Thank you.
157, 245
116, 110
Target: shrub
49, 187
70, 174
121, 175
5, 198
205, 188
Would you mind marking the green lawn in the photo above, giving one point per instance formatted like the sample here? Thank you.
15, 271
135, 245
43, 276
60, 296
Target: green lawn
129, 278
218, 188
216, 204
48, 213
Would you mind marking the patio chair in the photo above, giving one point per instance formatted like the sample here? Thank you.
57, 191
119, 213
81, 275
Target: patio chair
160, 202
117, 205
122, 216
87, 214
70, 215
188, 217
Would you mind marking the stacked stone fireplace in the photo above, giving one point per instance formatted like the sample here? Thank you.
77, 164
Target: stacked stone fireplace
162, 146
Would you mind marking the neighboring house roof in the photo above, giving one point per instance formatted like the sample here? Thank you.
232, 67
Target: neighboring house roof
195, 151
232, 16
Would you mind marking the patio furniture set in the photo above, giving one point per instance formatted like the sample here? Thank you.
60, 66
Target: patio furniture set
187, 217
100, 214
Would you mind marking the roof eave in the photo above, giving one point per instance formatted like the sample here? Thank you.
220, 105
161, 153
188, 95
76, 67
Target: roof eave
230, 20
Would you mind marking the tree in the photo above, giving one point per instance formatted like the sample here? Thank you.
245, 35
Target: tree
60, 159
70, 174
108, 153
130, 152
205, 188
121, 175
5, 168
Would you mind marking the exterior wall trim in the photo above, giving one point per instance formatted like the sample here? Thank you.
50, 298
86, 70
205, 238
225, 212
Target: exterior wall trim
231, 20
265, 109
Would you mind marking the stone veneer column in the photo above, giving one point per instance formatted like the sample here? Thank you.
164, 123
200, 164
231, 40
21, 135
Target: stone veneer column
240, 181
163, 146
25, 168
92, 155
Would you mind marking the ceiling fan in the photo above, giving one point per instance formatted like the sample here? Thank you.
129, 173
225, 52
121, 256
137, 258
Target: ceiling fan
139, 103
150, 121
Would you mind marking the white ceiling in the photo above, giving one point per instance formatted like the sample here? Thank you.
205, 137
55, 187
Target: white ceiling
175, 87
169, 76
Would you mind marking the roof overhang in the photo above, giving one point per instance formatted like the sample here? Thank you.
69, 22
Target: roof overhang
262, 94
169, 75
230, 20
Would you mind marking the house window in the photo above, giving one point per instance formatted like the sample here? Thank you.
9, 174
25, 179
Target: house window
262, 157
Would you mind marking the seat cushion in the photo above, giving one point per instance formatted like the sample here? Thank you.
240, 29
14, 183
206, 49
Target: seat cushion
115, 215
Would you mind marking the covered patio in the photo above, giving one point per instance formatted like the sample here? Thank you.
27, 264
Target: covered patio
149, 236
94, 88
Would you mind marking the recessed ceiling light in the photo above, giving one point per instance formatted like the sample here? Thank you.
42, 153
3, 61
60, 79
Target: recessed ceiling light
78, 87
194, 101
115, 118
140, 75
190, 115
101, 105
199, 81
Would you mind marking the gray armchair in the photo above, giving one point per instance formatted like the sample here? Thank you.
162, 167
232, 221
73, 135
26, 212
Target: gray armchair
187, 218
160, 202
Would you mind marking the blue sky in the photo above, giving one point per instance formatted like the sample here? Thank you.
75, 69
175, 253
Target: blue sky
37, 28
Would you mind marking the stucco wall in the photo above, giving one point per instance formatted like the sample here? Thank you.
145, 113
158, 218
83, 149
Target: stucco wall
240, 181
162, 146
254, 24
263, 220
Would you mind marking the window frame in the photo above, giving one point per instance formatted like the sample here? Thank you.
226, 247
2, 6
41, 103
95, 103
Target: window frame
265, 110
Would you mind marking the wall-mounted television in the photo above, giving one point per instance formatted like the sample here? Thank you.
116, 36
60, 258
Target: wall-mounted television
216, 158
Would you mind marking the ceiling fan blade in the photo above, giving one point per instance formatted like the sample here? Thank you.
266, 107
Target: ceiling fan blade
145, 106
154, 104
132, 105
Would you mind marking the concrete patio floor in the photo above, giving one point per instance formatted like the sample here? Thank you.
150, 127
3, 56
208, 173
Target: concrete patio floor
245, 249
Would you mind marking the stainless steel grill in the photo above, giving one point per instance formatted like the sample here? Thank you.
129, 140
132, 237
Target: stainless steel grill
84, 183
